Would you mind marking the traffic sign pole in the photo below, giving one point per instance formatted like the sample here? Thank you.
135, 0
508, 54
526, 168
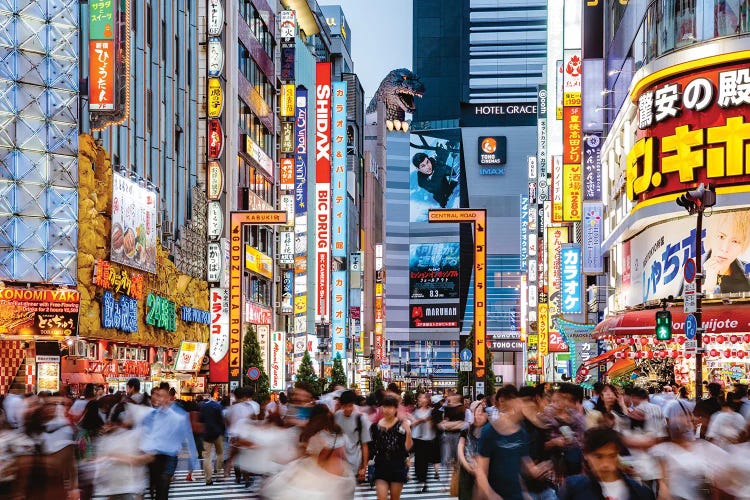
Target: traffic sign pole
698, 308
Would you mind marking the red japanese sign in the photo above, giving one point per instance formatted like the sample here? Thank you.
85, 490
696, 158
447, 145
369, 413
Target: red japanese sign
101, 75
692, 129
215, 139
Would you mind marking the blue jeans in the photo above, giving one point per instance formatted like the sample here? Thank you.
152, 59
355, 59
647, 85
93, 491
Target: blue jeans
548, 494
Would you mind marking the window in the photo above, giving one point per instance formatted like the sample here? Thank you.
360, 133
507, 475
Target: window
258, 28
149, 111
252, 126
148, 24
250, 70
177, 55
164, 41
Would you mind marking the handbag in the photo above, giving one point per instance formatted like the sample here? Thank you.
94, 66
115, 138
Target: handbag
454, 480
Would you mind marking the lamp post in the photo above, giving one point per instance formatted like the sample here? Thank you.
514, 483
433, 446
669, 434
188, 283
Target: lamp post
696, 201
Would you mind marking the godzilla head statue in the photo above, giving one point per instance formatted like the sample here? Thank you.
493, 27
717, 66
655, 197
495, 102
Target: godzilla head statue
398, 91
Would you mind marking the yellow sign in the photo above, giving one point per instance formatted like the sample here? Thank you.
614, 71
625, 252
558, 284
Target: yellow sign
556, 237
287, 100
239, 219
478, 217
258, 262
543, 330
300, 304
215, 98
572, 192
215, 180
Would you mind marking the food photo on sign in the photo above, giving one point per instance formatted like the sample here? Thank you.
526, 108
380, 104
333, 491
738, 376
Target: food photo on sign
133, 224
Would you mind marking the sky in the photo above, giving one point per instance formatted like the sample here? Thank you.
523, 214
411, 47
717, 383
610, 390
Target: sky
381, 38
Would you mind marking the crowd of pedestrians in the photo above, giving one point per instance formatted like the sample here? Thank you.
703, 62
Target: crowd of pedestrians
538, 442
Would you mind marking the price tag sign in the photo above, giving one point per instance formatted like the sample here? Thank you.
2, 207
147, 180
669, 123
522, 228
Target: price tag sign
465, 366
689, 298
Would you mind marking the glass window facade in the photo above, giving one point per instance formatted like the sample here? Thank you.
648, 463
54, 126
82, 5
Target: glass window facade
251, 125
258, 27
250, 70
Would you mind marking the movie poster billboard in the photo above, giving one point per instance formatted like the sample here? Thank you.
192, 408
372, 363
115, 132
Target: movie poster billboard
657, 256
433, 270
133, 224
434, 177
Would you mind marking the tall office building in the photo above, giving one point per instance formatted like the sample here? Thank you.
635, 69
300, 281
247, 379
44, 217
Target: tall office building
499, 46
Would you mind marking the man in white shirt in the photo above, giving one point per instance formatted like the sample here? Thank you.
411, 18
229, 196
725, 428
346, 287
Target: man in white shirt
680, 406
356, 428
243, 410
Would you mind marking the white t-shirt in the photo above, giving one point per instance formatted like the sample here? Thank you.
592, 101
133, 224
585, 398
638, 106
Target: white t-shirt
241, 412
688, 469
679, 407
725, 427
616, 490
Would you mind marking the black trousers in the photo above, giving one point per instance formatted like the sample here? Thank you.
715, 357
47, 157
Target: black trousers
422, 452
160, 471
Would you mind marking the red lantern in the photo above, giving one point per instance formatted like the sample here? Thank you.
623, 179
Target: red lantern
631, 340
741, 354
746, 337
727, 353
734, 339
675, 354
720, 339
688, 355
662, 354
618, 355
714, 353
680, 340
644, 340
708, 339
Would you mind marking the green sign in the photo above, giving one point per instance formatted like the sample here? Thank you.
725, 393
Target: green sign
102, 19
162, 313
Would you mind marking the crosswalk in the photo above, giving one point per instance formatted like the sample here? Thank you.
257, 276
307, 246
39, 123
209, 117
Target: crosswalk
228, 489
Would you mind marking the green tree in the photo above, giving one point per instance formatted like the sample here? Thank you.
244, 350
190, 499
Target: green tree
306, 373
338, 376
251, 356
489, 374
377, 383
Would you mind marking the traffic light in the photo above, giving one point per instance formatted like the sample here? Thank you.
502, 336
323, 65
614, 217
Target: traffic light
700, 197
663, 325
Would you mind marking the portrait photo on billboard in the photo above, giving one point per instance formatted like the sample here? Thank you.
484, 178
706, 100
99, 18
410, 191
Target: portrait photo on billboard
433, 270
435, 173
658, 255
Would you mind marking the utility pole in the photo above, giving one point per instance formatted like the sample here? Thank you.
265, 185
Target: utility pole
695, 202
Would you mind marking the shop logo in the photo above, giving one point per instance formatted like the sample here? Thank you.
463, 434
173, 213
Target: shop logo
489, 145
573, 68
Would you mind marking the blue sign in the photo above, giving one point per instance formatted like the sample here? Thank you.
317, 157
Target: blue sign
253, 373
570, 263
689, 270
465, 355
119, 314
193, 315
691, 327
338, 315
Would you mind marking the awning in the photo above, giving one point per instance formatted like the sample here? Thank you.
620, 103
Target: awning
605, 357
82, 378
717, 318
621, 367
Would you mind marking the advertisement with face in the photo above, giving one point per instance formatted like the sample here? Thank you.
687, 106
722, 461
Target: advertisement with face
433, 270
658, 255
435, 177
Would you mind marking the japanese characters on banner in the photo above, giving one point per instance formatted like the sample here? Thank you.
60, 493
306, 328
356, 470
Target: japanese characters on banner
593, 220
592, 167
300, 209
322, 189
103, 16
572, 77
133, 224
43, 312
118, 280
556, 238
338, 316
218, 340
570, 261
557, 189
286, 174
524, 244
119, 313
692, 128
541, 144
572, 195
276, 361
215, 57
543, 329
287, 291
287, 24
571, 168
286, 248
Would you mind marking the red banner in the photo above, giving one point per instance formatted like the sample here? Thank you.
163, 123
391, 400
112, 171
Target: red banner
322, 188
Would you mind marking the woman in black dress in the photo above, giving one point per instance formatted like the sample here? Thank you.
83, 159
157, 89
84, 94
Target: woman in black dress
391, 442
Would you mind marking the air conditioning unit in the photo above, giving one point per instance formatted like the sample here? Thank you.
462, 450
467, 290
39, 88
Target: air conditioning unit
79, 349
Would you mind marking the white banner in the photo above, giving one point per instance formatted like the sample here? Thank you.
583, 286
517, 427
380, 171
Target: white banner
277, 361
264, 333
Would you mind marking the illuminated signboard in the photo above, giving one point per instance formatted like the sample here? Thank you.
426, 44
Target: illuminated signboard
161, 312
427, 316
215, 57
215, 17
556, 237
524, 232
557, 189
286, 103
120, 314
543, 329
219, 335
31, 311
572, 77
102, 19
286, 174
118, 280
215, 180
300, 149
190, 356
572, 192
215, 139
258, 262
592, 167
256, 153
322, 188
101, 75
215, 220
593, 221
287, 292
339, 229
276, 367
570, 262
193, 315
287, 24
434, 270
213, 264
286, 248
692, 128
338, 316
215, 98
492, 152
238, 220
286, 142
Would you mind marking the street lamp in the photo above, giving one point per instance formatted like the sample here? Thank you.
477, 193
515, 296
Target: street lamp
696, 201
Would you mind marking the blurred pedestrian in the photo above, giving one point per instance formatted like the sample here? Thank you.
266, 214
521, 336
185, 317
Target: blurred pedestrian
391, 442
424, 436
212, 418
468, 448
356, 429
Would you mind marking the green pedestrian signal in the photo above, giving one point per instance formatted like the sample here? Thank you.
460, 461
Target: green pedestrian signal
663, 325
